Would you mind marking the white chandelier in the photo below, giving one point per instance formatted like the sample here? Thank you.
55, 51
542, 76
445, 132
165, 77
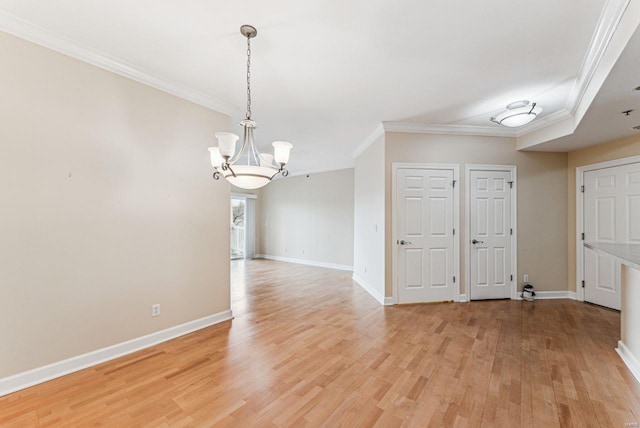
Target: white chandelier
517, 114
260, 168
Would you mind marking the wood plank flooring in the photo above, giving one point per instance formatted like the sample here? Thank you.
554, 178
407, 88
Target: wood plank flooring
309, 347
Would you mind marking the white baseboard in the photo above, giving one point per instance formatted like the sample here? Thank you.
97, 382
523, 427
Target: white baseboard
545, 295
386, 301
304, 262
629, 359
42, 374
462, 298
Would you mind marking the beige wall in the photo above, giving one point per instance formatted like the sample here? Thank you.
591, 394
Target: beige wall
542, 198
369, 222
601, 153
108, 207
308, 217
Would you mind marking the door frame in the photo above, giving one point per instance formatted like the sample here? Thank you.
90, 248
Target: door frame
456, 297
513, 169
245, 197
580, 171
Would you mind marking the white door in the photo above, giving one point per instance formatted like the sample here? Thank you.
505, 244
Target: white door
611, 214
425, 223
490, 234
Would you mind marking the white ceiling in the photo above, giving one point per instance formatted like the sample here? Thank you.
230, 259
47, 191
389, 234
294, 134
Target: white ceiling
326, 72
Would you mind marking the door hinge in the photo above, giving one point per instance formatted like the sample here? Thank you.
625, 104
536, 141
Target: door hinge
511, 277
453, 183
511, 231
454, 279
510, 184
583, 284
583, 236
582, 189
454, 232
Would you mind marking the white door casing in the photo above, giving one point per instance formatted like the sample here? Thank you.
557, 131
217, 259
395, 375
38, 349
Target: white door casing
425, 219
490, 232
611, 214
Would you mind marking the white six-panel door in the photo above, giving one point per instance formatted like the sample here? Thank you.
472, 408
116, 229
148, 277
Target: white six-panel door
425, 235
490, 234
611, 214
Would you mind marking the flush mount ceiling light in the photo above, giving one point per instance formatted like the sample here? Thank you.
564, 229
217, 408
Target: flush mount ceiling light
517, 114
260, 168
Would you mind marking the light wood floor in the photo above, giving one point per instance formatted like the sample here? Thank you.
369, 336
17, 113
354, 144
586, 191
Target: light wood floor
309, 347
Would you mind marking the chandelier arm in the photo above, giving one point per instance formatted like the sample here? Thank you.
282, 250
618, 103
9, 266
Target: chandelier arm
226, 167
254, 149
282, 171
242, 148
273, 176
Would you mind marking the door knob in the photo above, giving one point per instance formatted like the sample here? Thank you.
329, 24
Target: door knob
475, 241
403, 242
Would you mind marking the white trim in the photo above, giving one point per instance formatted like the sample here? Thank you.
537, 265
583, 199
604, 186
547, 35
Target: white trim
41, 36
629, 359
544, 122
377, 133
610, 17
514, 223
462, 298
386, 301
478, 130
580, 171
420, 128
305, 262
456, 221
42, 374
313, 171
547, 295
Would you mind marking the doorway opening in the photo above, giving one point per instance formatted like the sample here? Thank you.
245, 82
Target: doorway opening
243, 226
238, 220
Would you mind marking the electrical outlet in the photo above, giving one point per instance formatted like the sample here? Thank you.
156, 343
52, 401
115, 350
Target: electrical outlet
155, 310
526, 278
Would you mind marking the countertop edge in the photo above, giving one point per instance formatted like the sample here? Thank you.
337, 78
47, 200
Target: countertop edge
617, 251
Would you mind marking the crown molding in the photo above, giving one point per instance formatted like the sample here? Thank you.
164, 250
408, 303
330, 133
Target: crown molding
377, 133
419, 128
315, 171
607, 23
544, 122
33, 33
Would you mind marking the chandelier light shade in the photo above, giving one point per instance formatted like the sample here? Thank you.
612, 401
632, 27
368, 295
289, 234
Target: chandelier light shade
260, 168
517, 114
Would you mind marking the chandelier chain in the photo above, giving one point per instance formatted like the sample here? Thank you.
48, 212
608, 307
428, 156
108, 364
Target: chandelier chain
248, 77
